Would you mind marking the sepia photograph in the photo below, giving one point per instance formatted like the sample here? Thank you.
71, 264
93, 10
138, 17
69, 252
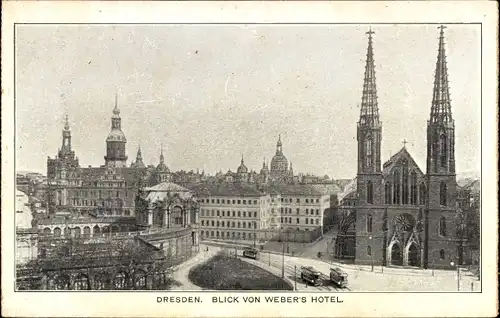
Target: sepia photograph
252, 162
194, 157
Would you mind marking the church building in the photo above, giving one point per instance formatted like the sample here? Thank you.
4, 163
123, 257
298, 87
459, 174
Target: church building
395, 214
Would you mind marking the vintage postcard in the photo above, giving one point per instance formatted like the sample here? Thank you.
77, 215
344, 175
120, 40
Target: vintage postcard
249, 159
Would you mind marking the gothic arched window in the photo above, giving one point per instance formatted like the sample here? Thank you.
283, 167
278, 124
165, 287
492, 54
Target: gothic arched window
369, 151
443, 149
387, 192
369, 223
405, 182
422, 193
369, 192
441, 254
442, 194
442, 226
413, 188
396, 197
369, 250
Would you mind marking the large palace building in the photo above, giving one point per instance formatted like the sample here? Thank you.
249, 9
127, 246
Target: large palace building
395, 214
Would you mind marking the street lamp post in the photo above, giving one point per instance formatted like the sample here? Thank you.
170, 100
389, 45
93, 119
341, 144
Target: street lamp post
283, 259
458, 274
254, 232
371, 251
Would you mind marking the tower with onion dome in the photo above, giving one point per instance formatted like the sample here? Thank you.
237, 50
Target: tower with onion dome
116, 141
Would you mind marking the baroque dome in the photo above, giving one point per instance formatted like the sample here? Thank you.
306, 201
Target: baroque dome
279, 162
116, 135
242, 168
162, 167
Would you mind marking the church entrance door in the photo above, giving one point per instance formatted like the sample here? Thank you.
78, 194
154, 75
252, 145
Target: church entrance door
396, 255
413, 255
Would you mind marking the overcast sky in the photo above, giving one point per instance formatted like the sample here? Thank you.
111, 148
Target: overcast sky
211, 93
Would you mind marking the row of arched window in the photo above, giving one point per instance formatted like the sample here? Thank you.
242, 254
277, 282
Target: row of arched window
441, 226
399, 195
82, 282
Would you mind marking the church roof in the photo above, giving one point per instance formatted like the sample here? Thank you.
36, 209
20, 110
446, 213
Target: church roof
349, 189
403, 153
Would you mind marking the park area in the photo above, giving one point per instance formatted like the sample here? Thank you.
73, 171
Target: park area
226, 272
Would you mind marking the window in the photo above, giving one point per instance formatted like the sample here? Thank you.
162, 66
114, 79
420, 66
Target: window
441, 254
317, 221
307, 211
255, 202
202, 223
239, 201
442, 226
239, 213
244, 214
443, 148
244, 224
234, 213
396, 197
369, 250
234, 201
298, 200
387, 192
369, 192
213, 223
422, 194
222, 223
244, 201
298, 220
317, 200
307, 221
239, 224
369, 151
307, 200
255, 214
442, 194
405, 183
413, 188
317, 211
369, 223
233, 224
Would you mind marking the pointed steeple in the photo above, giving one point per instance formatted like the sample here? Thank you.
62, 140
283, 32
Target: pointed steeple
138, 159
241, 158
279, 145
369, 106
162, 159
116, 110
441, 107
66, 123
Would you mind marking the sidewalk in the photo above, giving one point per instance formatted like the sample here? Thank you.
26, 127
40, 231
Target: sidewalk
181, 271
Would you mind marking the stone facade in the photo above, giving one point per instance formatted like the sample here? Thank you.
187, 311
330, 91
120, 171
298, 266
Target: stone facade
396, 214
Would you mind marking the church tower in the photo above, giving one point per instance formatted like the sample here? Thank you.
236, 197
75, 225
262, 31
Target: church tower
369, 136
66, 140
441, 218
138, 159
116, 141
369, 212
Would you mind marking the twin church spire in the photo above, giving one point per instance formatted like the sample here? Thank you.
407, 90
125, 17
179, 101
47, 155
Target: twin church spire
369, 125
